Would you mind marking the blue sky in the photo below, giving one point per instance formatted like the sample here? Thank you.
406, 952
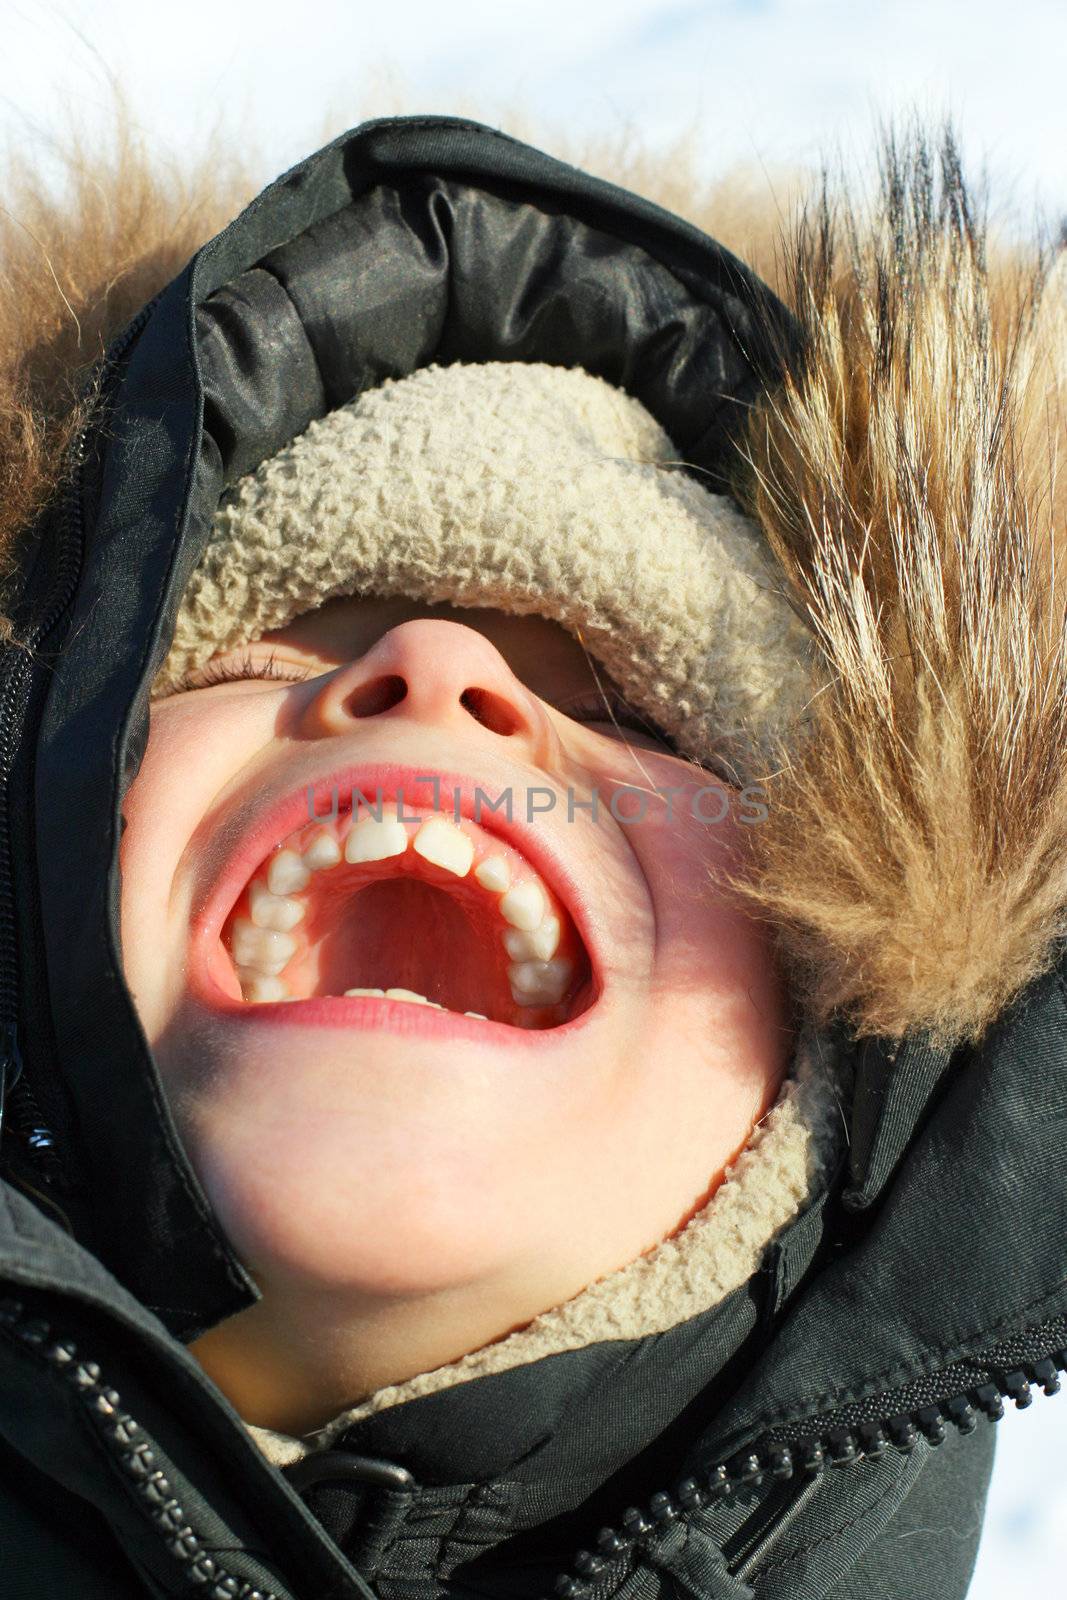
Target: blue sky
764, 80
767, 81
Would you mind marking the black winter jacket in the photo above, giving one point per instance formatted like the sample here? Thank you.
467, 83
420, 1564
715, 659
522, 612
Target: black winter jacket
825, 1431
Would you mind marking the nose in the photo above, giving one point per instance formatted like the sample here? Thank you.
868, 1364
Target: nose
438, 673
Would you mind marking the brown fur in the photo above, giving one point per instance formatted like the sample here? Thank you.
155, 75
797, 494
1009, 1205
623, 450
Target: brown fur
914, 861
78, 259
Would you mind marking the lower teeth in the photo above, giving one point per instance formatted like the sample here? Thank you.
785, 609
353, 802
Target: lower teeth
261, 989
412, 998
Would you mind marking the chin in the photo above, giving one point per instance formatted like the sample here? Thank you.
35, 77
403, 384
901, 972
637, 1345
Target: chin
372, 1171
333, 1222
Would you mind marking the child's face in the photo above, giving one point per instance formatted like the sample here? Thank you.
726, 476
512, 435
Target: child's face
361, 1147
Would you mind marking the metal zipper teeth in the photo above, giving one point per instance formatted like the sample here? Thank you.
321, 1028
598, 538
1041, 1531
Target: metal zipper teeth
42, 1141
66, 582
841, 1447
23, 1113
128, 1442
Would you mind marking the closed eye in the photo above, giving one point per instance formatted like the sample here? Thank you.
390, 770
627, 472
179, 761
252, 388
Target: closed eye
605, 705
608, 706
238, 669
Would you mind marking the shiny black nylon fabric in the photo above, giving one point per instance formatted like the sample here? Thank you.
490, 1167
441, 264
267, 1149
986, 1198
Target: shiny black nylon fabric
442, 272
467, 244
885, 1520
948, 1252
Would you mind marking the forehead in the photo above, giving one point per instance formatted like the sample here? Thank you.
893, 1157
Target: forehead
540, 652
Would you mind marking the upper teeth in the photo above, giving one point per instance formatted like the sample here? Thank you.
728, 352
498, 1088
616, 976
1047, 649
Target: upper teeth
375, 839
273, 910
493, 873
287, 872
438, 841
262, 943
323, 851
265, 950
538, 943
538, 983
523, 906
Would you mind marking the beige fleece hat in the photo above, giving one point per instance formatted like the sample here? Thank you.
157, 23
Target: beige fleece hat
528, 488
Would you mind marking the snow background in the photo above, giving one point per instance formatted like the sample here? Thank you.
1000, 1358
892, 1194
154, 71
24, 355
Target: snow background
766, 81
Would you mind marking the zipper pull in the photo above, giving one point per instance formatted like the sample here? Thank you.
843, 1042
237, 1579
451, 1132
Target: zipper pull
10, 1066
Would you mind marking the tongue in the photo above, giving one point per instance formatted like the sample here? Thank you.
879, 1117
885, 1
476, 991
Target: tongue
402, 933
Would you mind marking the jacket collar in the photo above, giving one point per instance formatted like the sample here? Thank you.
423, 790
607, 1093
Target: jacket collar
511, 1468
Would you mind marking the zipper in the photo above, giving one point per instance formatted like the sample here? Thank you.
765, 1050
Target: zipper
14, 686
10, 1067
131, 1447
785, 1455
892, 1421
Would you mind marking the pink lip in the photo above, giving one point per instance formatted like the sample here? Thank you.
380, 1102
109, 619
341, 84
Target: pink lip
209, 964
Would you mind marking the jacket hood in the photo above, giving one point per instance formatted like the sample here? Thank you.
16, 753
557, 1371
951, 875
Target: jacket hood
926, 948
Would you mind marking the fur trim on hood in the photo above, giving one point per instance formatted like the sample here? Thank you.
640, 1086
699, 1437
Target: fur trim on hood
909, 481
914, 860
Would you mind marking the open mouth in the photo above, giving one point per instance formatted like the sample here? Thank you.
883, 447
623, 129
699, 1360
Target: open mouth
399, 903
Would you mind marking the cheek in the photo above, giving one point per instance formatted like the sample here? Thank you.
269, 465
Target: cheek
191, 755
675, 816
714, 963
150, 837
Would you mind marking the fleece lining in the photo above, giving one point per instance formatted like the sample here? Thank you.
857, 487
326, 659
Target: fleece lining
780, 1170
532, 489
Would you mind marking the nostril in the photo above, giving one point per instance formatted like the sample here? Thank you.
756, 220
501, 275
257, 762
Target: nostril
381, 694
491, 710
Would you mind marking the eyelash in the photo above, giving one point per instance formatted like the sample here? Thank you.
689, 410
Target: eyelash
604, 706
243, 667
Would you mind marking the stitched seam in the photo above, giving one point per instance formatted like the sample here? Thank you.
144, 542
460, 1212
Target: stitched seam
456, 1535
9, 1212
1060, 976
343, 142
970, 1345
175, 1156
408, 1533
828, 1538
